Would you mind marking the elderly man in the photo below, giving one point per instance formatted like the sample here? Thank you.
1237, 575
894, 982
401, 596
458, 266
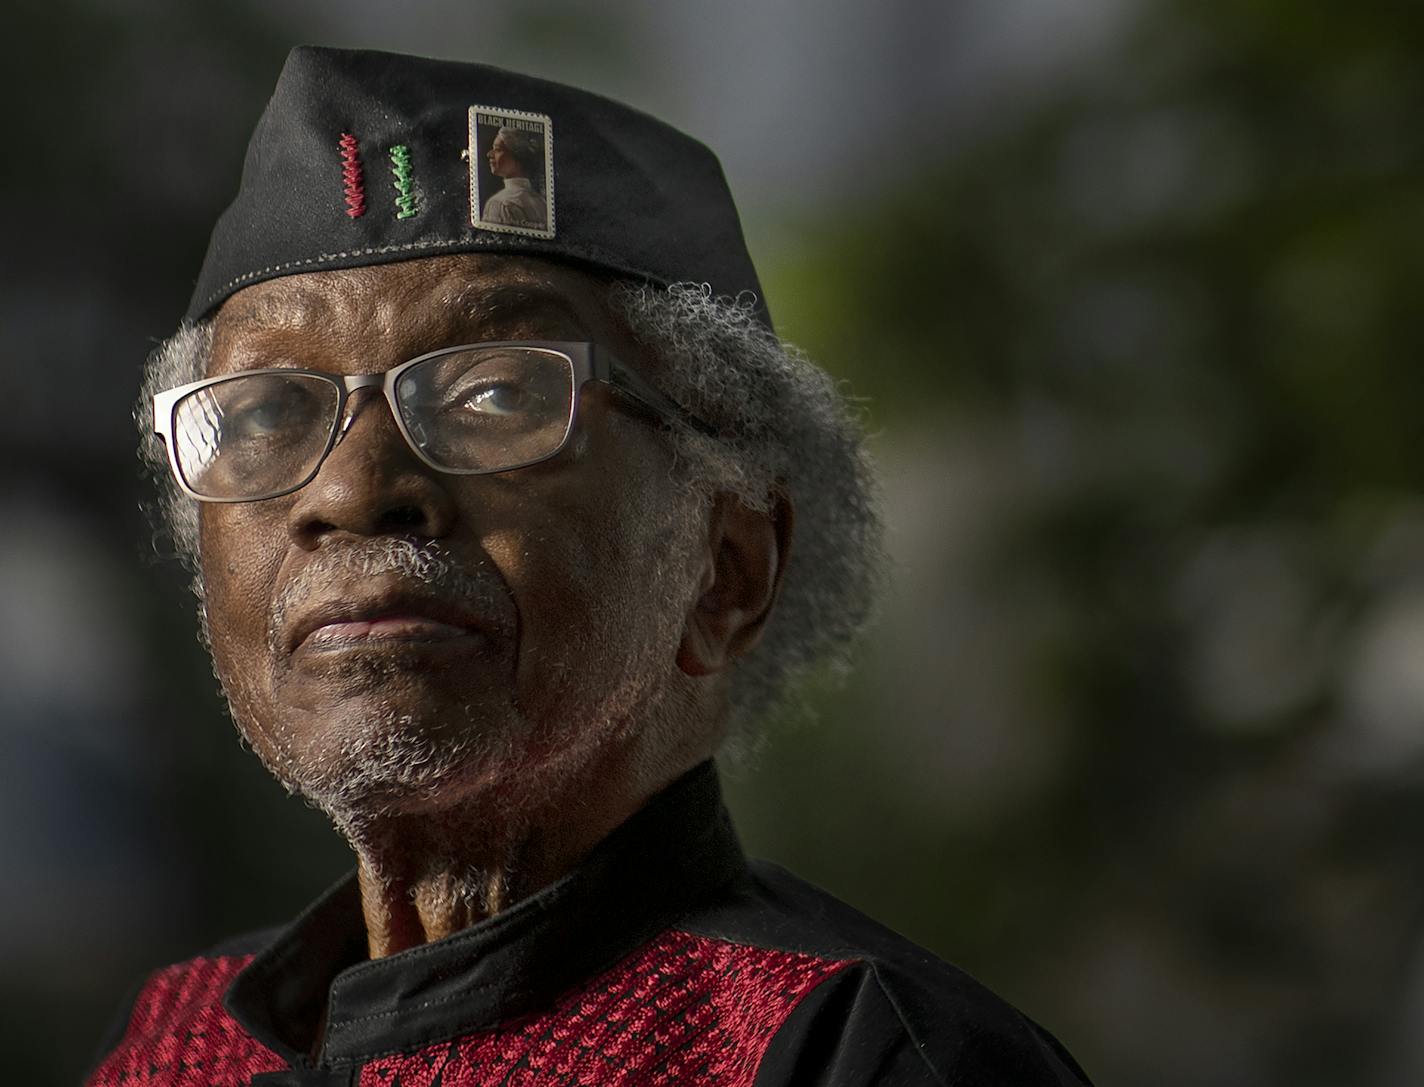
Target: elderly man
493, 533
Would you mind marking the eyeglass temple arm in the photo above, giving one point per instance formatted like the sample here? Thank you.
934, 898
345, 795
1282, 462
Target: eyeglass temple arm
632, 383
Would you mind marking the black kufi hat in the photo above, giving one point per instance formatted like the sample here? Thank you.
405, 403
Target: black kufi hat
366, 158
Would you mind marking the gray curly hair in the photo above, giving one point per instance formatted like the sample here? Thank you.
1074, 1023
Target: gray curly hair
782, 425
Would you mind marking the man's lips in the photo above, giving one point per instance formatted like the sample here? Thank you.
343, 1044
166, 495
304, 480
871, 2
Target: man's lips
393, 616
403, 628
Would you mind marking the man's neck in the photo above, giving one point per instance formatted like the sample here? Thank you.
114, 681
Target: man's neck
428, 875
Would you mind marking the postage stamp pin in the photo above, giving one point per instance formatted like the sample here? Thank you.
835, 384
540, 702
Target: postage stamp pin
511, 157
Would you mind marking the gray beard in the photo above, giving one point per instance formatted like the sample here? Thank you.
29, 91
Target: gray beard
615, 679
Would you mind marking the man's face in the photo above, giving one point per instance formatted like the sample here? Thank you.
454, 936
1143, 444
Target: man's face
391, 637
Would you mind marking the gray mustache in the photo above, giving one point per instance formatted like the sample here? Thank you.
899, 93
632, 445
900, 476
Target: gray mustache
427, 564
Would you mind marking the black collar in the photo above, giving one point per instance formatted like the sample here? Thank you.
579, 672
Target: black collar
669, 856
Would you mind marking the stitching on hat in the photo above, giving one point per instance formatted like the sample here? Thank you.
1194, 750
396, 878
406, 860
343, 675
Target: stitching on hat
371, 251
322, 258
404, 182
351, 178
595, 254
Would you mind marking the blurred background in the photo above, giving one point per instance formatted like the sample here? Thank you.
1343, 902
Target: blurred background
1131, 287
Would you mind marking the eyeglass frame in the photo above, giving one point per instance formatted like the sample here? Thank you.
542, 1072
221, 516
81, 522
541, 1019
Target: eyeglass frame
589, 361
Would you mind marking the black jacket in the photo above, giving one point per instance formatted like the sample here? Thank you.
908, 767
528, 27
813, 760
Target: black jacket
665, 958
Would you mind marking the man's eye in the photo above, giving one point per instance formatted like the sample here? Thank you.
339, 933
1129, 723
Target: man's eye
497, 399
268, 417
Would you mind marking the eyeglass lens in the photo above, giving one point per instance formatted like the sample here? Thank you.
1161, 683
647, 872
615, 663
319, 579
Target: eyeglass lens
476, 409
253, 434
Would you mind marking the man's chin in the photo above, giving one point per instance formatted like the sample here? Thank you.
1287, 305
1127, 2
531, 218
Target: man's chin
363, 758
437, 677
375, 769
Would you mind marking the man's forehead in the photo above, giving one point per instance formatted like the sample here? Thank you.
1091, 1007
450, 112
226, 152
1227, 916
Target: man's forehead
474, 288
420, 305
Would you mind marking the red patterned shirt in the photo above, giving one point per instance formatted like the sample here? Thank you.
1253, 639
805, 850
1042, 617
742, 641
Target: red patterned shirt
665, 958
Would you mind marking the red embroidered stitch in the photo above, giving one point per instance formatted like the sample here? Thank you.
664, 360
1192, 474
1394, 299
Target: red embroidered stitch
179, 1033
683, 1010
351, 176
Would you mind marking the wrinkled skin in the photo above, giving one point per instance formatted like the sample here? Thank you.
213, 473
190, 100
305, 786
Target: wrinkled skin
564, 545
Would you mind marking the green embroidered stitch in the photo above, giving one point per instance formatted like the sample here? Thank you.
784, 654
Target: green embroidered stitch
404, 182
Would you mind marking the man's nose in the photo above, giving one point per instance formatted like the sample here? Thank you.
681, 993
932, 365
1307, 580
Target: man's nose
371, 483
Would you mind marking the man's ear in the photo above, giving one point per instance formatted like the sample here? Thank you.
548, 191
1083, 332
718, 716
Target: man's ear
745, 559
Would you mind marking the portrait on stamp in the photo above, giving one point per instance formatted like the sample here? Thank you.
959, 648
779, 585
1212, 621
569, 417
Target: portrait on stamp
511, 171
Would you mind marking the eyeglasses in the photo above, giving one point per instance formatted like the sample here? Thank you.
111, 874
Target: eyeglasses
468, 410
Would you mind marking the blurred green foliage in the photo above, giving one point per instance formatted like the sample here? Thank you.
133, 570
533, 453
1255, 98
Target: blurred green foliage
1167, 321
